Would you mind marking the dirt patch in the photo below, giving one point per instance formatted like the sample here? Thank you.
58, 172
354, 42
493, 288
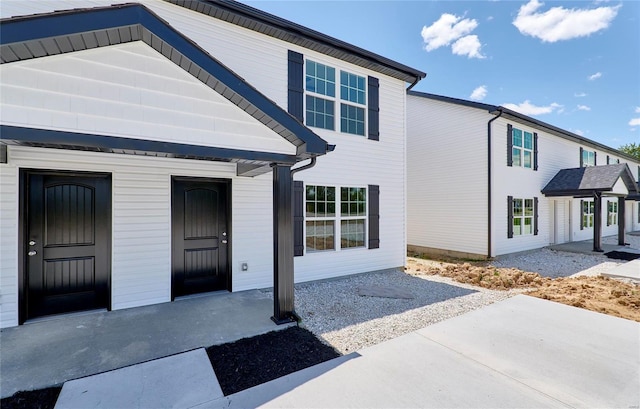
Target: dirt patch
600, 294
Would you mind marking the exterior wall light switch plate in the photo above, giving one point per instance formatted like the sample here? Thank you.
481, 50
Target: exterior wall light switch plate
244, 266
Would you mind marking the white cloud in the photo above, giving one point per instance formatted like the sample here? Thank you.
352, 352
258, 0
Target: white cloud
637, 110
527, 108
578, 132
559, 23
634, 122
453, 30
469, 46
595, 76
579, 95
584, 108
479, 93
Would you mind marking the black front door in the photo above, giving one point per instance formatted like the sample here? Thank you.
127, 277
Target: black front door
199, 236
67, 242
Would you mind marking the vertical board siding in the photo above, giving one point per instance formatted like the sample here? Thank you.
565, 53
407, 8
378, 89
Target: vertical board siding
447, 176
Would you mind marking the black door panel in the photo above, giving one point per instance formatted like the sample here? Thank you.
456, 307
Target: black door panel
199, 236
68, 242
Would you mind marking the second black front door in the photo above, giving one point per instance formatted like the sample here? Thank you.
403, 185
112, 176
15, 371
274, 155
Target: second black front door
199, 236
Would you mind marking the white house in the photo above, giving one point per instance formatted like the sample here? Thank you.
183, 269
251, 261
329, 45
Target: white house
484, 181
153, 150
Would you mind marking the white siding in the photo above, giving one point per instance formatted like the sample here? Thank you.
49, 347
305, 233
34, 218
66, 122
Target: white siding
141, 222
127, 90
555, 153
8, 245
447, 176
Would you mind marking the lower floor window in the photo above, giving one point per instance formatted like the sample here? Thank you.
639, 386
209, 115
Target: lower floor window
587, 213
320, 235
322, 217
612, 213
522, 217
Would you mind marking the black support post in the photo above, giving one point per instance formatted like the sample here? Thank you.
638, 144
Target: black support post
597, 222
621, 218
283, 303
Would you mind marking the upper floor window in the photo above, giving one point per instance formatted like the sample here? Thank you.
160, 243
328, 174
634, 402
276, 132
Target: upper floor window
321, 99
588, 158
522, 150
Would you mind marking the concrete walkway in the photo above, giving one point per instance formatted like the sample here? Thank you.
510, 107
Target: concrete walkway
521, 352
54, 350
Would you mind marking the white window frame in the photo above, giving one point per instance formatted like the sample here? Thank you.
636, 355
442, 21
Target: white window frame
520, 230
589, 214
336, 100
612, 212
519, 151
590, 159
338, 218
331, 219
348, 217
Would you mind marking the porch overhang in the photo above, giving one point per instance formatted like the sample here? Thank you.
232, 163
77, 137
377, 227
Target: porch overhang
42, 35
596, 182
592, 180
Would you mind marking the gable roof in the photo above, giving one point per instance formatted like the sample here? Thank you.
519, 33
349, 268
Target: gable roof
257, 20
60, 32
587, 180
524, 119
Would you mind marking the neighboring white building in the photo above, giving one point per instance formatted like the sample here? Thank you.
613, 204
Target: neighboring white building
147, 153
476, 174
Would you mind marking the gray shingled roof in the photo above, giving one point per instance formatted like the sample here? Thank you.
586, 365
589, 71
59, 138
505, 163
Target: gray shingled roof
584, 181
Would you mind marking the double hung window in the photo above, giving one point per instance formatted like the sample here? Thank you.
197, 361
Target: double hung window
325, 212
522, 217
588, 158
321, 99
612, 212
522, 148
587, 211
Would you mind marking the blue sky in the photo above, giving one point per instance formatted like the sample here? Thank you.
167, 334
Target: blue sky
573, 64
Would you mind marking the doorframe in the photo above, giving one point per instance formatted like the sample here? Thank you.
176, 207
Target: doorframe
227, 203
23, 218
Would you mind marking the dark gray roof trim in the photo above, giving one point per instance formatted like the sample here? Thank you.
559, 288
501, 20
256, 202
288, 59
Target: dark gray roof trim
587, 180
45, 138
527, 120
59, 32
257, 20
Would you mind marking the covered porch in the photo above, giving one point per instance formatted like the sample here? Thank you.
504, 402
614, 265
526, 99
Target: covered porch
596, 182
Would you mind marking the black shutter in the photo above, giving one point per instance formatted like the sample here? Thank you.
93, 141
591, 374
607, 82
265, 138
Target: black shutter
608, 218
298, 218
581, 160
535, 216
295, 86
3, 153
373, 89
374, 216
638, 174
509, 145
535, 151
581, 211
608, 159
595, 158
510, 215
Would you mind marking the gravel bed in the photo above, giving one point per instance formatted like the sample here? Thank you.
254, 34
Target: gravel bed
334, 311
551, 263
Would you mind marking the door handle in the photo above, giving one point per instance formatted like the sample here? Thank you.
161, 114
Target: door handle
224, 242
32, 253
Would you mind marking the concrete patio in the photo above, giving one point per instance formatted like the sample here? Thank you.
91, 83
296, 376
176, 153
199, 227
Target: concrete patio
56, 349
